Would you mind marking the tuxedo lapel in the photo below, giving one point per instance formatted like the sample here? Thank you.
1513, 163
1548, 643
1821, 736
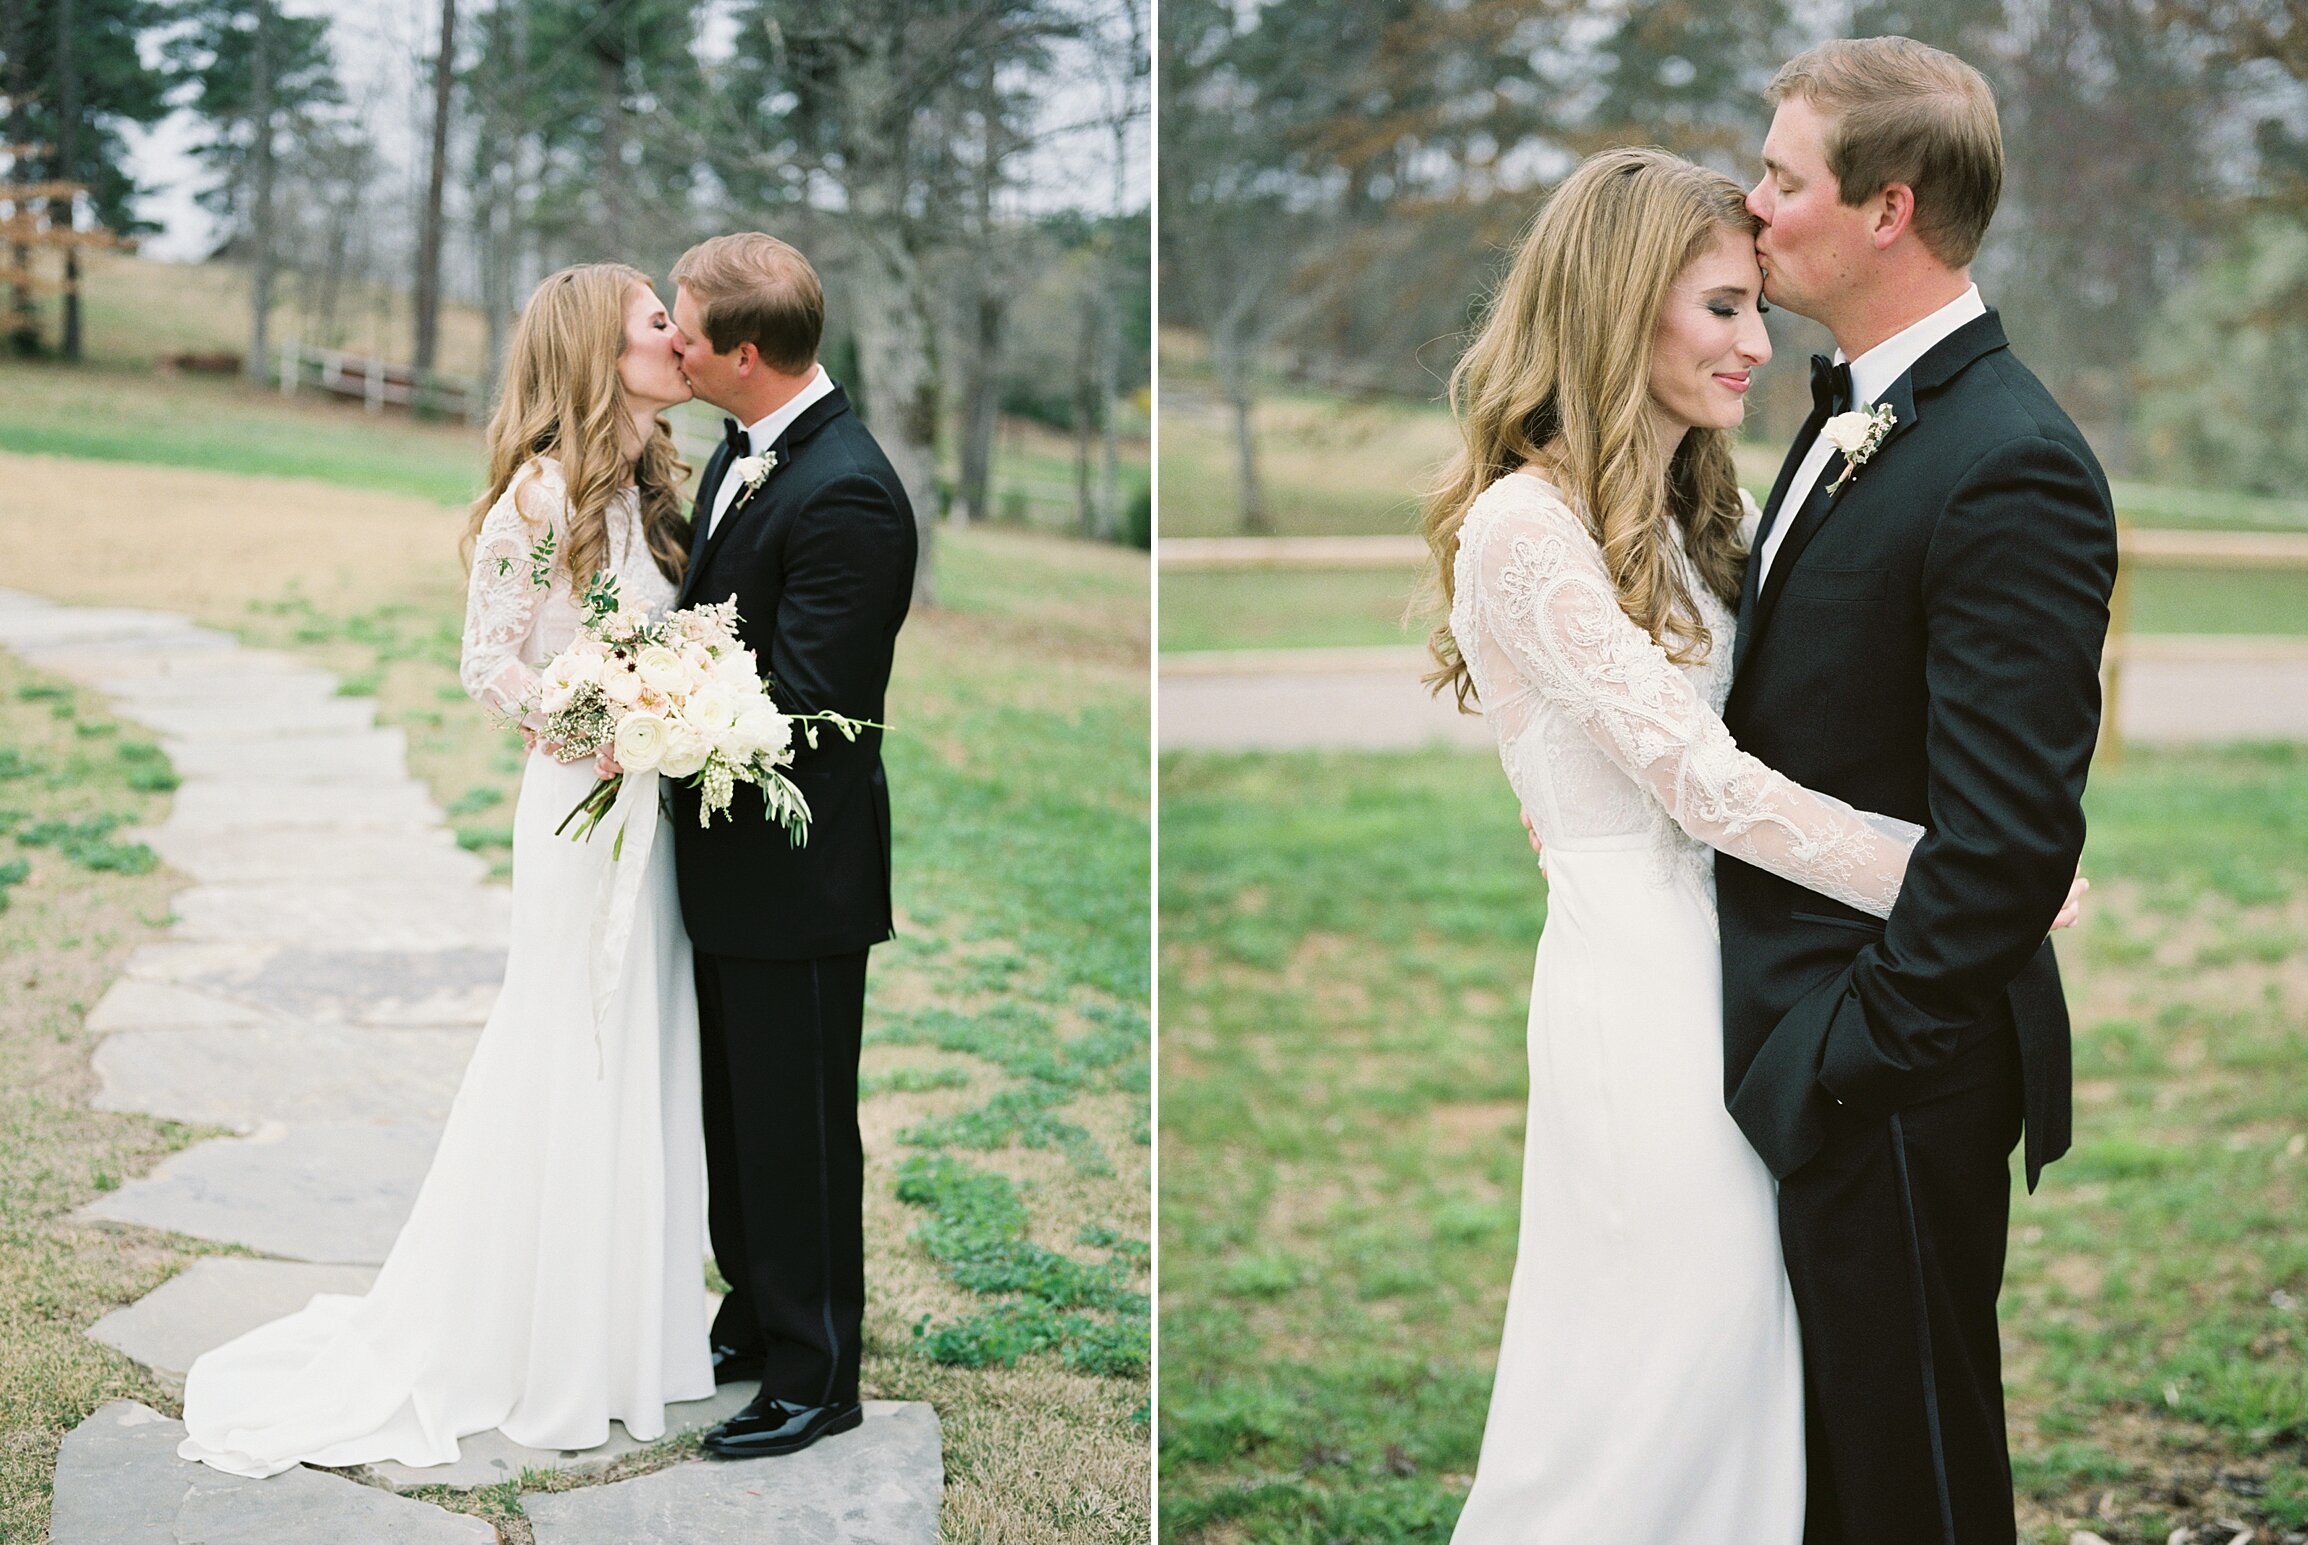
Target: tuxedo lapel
788, 445
701, 514
1826, 500
1771, 517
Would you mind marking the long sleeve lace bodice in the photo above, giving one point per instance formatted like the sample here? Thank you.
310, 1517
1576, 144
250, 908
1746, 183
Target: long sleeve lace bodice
514, 625
1603, 736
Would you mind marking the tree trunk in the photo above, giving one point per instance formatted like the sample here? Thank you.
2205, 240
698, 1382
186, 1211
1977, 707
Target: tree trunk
1086, 406
260, 207
1109, 396
610, 81
68, 167
896, 344
1228, 354
981, 388
981, 407
24, 317
429, 238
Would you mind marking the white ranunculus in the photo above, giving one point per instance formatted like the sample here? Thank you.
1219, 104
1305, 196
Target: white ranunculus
620, 683
685, 751
1847, 432
765, 732
641, 742
661, 668
710, 711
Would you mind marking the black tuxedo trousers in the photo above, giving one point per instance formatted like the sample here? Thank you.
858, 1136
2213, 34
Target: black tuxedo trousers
1926, 644
784, 1164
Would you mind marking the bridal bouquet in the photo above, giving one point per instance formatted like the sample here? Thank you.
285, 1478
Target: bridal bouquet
675, 695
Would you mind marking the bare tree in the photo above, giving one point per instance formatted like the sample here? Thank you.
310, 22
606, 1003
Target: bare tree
429, 236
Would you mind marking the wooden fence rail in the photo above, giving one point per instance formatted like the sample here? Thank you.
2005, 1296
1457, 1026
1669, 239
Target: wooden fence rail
379, 383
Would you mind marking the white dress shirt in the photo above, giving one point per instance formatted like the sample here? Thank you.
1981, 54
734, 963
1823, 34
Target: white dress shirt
1871, 376
761, 436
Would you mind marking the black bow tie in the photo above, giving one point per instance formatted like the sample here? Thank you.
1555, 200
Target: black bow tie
733, 435
1830, 387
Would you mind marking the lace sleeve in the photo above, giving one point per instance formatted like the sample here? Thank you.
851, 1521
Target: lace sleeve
502, 596
1553, 610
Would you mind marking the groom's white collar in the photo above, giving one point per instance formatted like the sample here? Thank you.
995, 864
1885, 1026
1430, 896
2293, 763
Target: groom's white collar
763, 433
1873, 372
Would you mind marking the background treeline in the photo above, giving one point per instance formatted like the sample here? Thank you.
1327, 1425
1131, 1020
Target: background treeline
1340, 184
909, 146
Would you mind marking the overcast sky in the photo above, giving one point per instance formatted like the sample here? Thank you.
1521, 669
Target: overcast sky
380, 43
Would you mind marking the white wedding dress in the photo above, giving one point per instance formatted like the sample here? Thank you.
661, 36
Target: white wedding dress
551, 1275
1650, 1379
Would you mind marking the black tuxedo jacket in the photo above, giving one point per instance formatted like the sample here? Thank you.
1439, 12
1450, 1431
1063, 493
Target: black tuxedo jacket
821, 562
1928, 646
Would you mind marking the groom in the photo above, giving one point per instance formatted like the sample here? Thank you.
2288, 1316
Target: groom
800, 519
1925, 642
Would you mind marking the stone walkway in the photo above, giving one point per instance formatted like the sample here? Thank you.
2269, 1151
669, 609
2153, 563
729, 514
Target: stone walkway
319, 993
2173, 690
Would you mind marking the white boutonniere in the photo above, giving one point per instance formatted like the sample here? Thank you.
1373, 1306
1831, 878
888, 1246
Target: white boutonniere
751, 472
1856, 435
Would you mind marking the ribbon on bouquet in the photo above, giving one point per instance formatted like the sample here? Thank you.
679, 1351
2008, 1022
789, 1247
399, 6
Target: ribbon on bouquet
618, 898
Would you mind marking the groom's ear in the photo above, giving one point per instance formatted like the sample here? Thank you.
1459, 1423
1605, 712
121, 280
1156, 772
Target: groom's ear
746, 358
1892, 214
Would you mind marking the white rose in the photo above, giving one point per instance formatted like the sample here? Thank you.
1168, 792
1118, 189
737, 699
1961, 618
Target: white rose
765, 732
1847, 432
578, 667
662, 669
558, 695
698, 658
733, 672
620, 683
685, 751
641, 742
710, 711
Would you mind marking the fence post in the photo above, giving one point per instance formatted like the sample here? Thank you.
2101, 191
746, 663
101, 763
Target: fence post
288, 367
376, 385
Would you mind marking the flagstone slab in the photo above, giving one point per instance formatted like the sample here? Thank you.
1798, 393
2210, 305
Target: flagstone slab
878, 1485
381, 798
280, 984
336, 1193
306, 757
245, 1076
223, 677
212, 1301
491, 1458
133, 1004
223, 855
374, 915
242, 724
119, 1482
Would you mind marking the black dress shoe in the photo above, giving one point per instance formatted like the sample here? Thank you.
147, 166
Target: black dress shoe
730, 1366
772, 1426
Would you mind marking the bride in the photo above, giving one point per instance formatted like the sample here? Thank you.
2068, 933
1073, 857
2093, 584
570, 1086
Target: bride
551, 1276
1590, 542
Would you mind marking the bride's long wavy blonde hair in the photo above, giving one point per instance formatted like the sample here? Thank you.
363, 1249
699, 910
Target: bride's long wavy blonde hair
1559, 375
563, 398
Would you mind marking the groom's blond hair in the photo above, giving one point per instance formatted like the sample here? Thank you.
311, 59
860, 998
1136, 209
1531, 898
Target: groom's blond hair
753, 288
1903, 111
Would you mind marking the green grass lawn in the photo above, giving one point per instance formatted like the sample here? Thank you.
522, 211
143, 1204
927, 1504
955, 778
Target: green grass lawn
1312, 608
1347, 944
